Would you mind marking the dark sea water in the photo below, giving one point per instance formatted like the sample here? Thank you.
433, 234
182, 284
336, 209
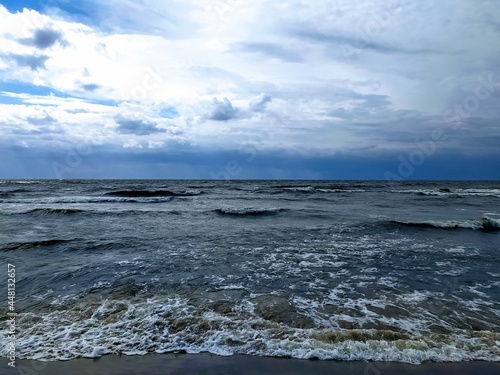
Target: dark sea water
348, 270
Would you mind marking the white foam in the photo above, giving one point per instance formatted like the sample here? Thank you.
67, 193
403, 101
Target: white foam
416, 296
232, 287
457, 271
455, 192
341, 190
133, 262
456, 249
493, 222
28, 182
301, 189
480, 192
466, 224
388, 281
92, 329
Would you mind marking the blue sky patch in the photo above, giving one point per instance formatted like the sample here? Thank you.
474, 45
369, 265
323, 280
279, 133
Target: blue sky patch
169, 112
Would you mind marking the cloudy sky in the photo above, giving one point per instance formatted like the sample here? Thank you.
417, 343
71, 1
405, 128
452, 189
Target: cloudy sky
331, 89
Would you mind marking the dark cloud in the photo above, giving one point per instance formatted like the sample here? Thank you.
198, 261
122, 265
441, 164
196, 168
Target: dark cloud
136, 126
34, 62
90, 86
44, 38
222, 110
269, 49
361, 42
261, 104
372, 101
490, 142
47, 119
194, 163
343, 113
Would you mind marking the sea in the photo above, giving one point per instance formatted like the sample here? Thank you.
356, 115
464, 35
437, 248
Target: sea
405, 271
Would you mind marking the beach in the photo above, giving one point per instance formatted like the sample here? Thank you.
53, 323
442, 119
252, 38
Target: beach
185, 364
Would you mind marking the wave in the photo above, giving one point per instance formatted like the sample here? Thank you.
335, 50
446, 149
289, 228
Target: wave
328, 190
321, 189
54, 211
20, 182
153, 193
31, 244
12, 192
18, 191
249, 211
224, 327
448, 192
484, 224
300, 189
91, 199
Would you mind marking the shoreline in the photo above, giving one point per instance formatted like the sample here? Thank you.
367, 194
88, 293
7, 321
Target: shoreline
205, 363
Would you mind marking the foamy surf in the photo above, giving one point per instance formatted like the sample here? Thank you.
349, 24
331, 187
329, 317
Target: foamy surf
92, 328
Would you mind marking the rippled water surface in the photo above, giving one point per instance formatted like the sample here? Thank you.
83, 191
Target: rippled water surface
401, 271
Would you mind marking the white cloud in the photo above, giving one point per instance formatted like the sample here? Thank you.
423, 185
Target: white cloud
299, 75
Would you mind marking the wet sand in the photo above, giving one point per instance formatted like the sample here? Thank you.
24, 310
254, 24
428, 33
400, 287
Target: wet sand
184, 364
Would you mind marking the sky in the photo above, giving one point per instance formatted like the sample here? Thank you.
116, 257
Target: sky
240, 89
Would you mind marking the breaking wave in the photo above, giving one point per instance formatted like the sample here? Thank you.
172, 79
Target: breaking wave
30, 244
448, 192
54, 211
321, 189
485, 224
153, 193
248, 211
